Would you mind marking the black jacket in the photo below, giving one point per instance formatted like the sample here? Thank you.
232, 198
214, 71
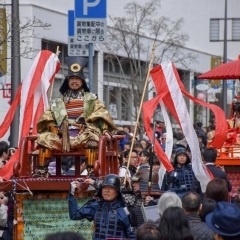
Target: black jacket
217, 173
199, 229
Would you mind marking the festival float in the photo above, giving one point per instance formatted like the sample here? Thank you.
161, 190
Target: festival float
39, 198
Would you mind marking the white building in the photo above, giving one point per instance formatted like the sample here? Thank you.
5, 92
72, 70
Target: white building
196, 15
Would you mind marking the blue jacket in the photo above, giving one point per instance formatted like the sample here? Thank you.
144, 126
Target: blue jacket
179, 181
110, 219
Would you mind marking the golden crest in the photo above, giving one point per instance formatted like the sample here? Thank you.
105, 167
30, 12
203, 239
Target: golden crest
75, 67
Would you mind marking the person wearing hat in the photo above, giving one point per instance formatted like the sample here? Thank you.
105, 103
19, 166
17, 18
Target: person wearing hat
224, 221
140, 184
111, 217
180, 179
78, 114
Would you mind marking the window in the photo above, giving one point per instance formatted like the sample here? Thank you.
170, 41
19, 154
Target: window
214, 29
236, 29
119, 102
113, 102
125, 108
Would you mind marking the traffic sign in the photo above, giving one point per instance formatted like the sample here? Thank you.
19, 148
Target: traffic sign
90, 30
74, 48
90, 8
77, 49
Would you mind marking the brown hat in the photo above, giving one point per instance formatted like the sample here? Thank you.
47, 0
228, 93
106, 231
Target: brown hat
143, 175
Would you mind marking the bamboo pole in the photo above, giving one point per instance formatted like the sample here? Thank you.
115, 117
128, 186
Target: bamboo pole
140, 108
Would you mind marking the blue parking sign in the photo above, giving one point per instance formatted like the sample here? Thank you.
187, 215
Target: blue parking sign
90, 8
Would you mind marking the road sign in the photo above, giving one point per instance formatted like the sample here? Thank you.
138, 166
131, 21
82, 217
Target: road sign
90, 8
74, 48
77, 49
90, 30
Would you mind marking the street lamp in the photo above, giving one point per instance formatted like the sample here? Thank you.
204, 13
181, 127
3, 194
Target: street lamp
224, 89
15, 69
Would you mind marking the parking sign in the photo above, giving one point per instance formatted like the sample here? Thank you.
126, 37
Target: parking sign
90, 8
74, 48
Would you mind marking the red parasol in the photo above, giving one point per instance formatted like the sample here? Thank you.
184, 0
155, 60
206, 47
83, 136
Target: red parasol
230, 70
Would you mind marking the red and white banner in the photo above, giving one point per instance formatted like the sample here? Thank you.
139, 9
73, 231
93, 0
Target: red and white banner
170, 90
32, 97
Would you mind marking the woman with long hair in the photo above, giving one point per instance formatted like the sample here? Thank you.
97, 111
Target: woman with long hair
174, 225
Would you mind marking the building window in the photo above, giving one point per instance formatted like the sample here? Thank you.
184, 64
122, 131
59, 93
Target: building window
236, 29
113, 102
214, 29
119, 102
126, 106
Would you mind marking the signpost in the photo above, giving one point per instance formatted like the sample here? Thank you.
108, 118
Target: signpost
87, 25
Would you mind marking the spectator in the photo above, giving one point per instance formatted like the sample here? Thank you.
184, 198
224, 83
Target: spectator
224, 221
156, 164
208, 206
3, 210
83, 166
126, 146
163, 141
160, 126
127, 129
144, 159
211, 133
145, 144
209, 156
174, 225
138, 146
217, 190
200, 132
8, 230
191, 204
179, 180
64, 236
4, 153
202, 146
179, 136
148, 231
123, 166
168, 199
133, 161
138, 180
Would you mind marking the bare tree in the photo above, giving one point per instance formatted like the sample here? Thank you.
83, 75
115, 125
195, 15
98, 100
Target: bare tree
27, 33
130, 41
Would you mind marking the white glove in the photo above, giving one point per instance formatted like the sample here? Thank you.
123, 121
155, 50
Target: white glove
73, 187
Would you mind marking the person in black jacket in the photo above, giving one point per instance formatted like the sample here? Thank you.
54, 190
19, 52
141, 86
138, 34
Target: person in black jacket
209, 156
191, 204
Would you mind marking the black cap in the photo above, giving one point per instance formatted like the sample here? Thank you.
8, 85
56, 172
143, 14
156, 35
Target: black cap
76, 65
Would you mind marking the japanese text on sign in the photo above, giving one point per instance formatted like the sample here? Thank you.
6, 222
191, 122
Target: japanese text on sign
77, 49
90, 31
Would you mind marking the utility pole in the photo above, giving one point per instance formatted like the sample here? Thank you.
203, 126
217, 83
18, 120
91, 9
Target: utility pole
15, 70
224, 90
